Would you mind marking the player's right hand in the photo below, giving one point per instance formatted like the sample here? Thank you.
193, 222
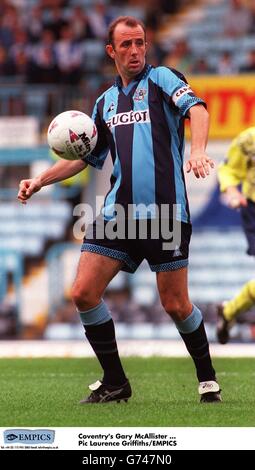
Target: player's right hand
235, 198
27, 188
237, 202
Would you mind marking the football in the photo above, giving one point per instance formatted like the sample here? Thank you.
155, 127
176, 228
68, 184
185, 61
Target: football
72, 135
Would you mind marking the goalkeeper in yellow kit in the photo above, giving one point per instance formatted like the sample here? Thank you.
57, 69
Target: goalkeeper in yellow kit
237, 180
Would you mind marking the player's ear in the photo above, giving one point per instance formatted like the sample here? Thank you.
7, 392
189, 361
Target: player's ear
110, 51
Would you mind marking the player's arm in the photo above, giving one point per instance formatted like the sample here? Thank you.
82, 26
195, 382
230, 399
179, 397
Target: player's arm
62, 170
178, 94
199, 162
231, 173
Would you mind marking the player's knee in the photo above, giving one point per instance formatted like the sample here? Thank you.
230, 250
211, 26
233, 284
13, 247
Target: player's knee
84, 297
176, 309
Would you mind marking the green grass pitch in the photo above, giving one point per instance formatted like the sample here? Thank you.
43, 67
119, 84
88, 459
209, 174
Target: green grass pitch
46, 392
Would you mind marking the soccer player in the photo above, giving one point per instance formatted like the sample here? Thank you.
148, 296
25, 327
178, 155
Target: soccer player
140, 119
239, 169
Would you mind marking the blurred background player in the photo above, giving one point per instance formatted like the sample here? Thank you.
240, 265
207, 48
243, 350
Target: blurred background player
238, 170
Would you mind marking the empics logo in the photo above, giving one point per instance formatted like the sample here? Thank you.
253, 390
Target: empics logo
132, 117
11, 437
29, 436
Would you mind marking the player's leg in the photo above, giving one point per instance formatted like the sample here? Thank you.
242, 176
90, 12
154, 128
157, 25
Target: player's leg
93, 275
227, 311
173, 291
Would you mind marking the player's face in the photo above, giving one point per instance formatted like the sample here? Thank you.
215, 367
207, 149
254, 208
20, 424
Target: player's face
128, 50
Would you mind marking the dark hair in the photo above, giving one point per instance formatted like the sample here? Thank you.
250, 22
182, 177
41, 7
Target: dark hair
128, 21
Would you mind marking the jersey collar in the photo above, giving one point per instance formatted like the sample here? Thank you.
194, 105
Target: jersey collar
137, 78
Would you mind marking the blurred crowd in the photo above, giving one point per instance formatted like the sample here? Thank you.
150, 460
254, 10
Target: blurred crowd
46, 41
237, 23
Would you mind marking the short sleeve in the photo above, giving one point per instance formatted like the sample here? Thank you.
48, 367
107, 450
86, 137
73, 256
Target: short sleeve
98, 156
176, 90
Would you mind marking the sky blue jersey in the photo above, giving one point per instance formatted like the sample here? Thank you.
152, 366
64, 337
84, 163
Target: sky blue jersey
142, 126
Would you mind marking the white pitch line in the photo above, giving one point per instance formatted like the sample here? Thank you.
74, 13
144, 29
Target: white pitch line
142, 348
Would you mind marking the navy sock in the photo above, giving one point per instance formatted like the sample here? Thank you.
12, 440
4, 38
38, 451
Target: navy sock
198, 347
103, 341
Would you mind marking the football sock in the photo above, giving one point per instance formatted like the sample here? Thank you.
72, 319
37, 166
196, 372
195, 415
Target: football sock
194, 336
241, 302
96, 315
102, 339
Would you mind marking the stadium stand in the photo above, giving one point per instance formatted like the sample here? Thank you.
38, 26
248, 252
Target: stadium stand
25, 233
35, 43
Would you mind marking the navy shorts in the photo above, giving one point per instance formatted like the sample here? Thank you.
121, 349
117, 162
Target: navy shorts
248, 223
133, 251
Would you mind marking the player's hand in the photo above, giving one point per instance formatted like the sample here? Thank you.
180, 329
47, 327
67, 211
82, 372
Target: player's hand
200, 164
235, 198
27, 188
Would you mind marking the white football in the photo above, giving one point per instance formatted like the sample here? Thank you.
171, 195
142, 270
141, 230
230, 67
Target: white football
72, 135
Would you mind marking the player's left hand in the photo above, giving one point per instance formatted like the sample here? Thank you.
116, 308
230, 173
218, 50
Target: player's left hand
200, 164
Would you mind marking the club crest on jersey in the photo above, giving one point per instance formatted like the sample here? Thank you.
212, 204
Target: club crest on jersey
140, 94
